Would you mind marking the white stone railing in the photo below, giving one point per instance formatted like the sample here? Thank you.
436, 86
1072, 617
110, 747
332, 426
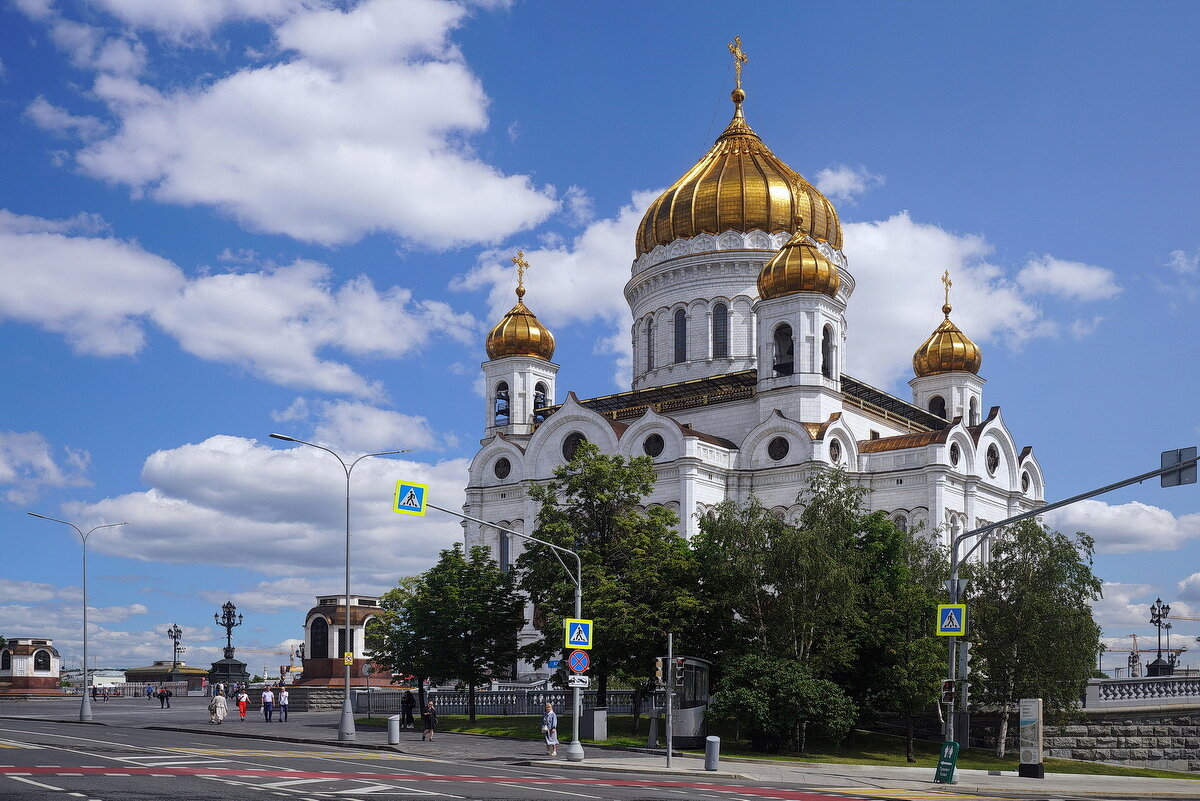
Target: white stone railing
1155, 691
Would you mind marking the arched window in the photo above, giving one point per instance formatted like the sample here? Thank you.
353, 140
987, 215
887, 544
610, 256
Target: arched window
720, 331
5, 660
41, 661
901, 522
784, 358
649, 345
937, 405
319, 636
827, 351
501, 404
974, 418
680, 336
539, 402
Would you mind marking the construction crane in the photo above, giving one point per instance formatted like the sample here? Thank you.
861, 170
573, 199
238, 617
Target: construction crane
1135, 664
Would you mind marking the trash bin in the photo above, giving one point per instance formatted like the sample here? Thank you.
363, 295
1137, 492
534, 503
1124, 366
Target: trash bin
712, 752
393, 729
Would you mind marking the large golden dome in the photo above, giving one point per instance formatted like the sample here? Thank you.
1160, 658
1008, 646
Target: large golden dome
948, 350
798, 267
738, 185
519, 333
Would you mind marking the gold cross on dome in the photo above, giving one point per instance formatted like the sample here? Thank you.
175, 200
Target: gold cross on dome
522, 266
947, 283
739, 58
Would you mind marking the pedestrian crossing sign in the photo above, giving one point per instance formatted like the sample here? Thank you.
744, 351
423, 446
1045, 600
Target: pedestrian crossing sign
951, 620
578, 633
410, 498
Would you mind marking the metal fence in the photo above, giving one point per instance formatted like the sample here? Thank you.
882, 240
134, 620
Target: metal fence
504, 702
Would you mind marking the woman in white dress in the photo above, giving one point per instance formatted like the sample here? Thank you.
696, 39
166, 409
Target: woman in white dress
218, 708
550, 730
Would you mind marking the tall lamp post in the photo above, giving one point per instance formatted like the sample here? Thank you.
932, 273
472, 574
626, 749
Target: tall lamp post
85, 705
346, 725
1158, 618
228, 620
176, 634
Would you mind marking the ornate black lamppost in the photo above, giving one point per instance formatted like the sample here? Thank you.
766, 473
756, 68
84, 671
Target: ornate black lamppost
228, 620
176, 634
1158, 619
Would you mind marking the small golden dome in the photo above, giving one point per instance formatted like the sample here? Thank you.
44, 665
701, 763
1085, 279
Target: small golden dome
519, 333
798, 267
738, 185
948, 350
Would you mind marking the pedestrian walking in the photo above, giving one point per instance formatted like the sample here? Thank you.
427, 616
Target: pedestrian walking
283, 704
242, 700
550, 730
164, 698
218, 708
407, 704
149, 692
429, 718
268, 703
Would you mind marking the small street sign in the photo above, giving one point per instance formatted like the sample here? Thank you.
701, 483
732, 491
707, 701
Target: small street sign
1184, 475
348, 658
578, 633
577, 681
951, 620
554, 664
578, 661
410, 498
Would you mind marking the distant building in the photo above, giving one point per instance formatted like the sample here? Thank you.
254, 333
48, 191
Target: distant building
166, 670
325, 640
29, 664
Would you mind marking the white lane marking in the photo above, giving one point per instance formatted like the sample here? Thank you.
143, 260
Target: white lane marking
37, 784
548, 790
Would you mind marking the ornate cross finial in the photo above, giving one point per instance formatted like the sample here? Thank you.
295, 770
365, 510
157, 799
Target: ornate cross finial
522, 266
739, 58
947, 283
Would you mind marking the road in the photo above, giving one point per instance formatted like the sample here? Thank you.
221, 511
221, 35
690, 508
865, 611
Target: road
42, 760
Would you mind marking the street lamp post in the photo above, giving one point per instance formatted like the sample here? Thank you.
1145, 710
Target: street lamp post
228, 620
176, 634
575, 749
85, 705
346, 725
1158, 619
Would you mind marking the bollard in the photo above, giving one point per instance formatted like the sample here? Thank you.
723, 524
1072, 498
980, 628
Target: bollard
393, 729
652, 738
712, 752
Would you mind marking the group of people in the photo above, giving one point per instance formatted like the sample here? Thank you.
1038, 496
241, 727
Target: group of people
218, 707
103, 693
408, 702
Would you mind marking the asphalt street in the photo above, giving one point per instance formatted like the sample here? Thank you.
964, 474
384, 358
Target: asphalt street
134, 750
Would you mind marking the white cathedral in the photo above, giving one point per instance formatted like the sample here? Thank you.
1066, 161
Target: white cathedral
739, 291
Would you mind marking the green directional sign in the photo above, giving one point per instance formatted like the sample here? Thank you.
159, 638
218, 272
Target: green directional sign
947, 760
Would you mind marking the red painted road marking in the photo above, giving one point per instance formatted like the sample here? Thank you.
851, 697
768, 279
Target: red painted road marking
244, 773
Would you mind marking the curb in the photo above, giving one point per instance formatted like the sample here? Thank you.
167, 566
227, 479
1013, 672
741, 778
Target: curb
663, 771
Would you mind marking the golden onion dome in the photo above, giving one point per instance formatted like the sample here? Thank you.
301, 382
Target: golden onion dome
519, 333
738, 185
948, 349
798, 267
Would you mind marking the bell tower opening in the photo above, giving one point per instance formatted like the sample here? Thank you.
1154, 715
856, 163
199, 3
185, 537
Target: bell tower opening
784, 357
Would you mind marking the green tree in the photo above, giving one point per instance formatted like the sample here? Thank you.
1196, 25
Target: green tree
638, 573
774, 588
901, 662
1031, 620
457, 620
777, 702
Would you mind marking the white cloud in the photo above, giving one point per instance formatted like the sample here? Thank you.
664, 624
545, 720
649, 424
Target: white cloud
1069, 280
579, 206
61, 122
32, 592
285, 507
182, 19
276, 323
846, 184
1184, 264
27, 465
1127, 527
346, 425
287, 148
1123, 608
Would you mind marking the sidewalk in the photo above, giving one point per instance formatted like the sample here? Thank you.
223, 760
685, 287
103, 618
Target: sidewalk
191, 714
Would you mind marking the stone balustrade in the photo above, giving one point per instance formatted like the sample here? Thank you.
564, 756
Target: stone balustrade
1159, 691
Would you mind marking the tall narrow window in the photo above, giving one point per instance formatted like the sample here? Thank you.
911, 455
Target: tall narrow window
319, 639
539, 402
501, 404
784, 358
41, 661
974, 418
720, 331
937, 405
649, 345
827, 351
680, 336
5, 660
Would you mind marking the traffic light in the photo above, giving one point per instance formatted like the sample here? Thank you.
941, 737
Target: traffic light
658, 670
948, 691
964, 669
679, 672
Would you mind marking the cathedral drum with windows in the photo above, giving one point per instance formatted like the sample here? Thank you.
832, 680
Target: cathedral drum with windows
738, 295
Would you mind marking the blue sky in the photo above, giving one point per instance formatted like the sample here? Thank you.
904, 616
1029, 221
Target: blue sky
222, 218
